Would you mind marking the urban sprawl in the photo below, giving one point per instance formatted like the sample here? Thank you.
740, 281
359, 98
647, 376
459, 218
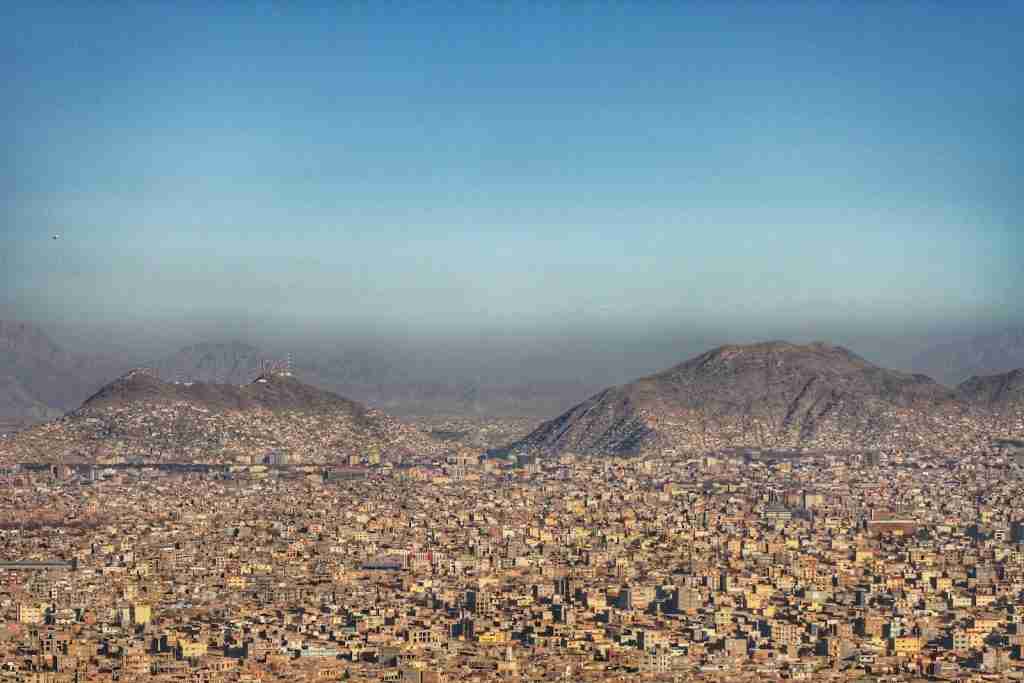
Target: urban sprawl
736, 565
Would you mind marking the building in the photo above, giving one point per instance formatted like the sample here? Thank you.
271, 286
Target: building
141, 614
31, 614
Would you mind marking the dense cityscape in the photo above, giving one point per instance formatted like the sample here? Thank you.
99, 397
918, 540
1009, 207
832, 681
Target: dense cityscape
738, 565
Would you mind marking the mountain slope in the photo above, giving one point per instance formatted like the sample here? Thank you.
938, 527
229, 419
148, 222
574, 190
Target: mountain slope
1004, 390
227, 363
38, 378
18, 407
143, 418
273, 392
987, 354
773, 394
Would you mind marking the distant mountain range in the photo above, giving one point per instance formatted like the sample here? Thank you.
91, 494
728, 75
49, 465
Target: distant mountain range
988, 354
40, 380
1003, 391
370, 378
773, 394
141, 417
229, 363
782, 395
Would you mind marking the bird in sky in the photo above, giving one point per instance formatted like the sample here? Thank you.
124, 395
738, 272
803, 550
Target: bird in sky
55, 237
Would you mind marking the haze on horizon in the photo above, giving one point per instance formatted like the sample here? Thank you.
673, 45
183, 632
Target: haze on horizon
568, 181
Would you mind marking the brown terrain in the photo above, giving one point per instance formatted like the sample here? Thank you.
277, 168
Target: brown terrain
40, 380
1002, 391
770, 395
783, 395
139, 417
981, 355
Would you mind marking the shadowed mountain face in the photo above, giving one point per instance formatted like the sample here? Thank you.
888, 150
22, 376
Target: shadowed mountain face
773, 394
36, 376
18, 406
140, 417
982, 355
39, 380
230, 363
998, 391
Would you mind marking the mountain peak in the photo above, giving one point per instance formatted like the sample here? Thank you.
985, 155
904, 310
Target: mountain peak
815, 357
273, 390
769, 394
232, 362
232, 345
139, 415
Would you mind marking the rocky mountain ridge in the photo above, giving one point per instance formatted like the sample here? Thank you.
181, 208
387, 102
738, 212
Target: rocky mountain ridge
774, 395
140, 417
40, 380
232, 362
956, 361
1000, 391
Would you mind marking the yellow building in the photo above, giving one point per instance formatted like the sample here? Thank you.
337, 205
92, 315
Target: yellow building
30, 614
863, 557
985, 623
906, 645
191, 649
141, 614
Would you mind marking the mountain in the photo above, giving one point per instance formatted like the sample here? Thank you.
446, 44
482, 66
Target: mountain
18, 407
426, 399
1004, 390
981, 355
224, 363
273, 392
402, 385
139, 416
406, 384
773, 395
39, 379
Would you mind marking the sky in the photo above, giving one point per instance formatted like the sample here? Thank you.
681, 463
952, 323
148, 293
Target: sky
517, 171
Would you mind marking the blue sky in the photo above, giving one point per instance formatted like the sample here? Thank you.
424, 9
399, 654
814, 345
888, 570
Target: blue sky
514, 166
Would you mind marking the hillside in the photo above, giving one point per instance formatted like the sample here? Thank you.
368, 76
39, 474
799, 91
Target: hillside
978, 356
1001, 391
773, 394
18, 406
223, 363
39, 379
140, 417
403, 385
